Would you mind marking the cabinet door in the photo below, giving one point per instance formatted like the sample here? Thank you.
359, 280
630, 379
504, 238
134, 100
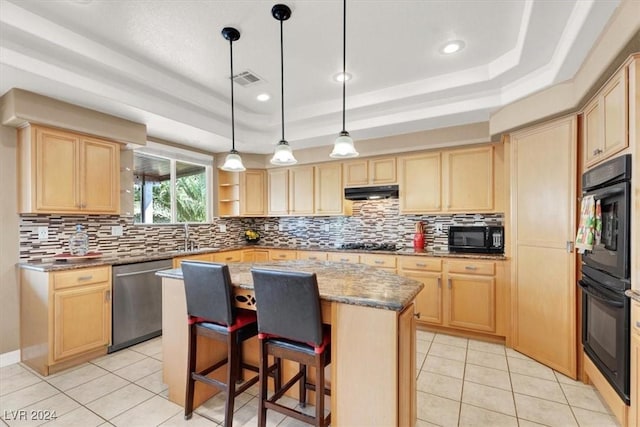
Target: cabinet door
329, 193
407, 396
468, 180
57, 164
420, 183
635, 380
227, 256
99, 176
592, 131
312, 255
543, 299
429, 300
471, 302
278, 182
252, 193
81, 320
356, 173
614, 109
301, 190
382, 171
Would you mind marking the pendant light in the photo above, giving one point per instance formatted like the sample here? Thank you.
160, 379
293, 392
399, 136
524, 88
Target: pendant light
343, 147
283, 156
233, 162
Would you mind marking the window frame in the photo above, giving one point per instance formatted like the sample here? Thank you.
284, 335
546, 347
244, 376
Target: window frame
174, 155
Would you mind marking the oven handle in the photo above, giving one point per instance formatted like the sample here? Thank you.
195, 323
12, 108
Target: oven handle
600, 297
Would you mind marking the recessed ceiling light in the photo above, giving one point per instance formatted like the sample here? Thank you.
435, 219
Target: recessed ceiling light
340, 77
263, 97
452, 47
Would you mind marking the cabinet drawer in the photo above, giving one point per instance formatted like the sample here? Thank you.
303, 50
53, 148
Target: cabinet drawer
635, 316
85, 276
472, 267
231, 256
312, 255
420, 263
339, 257
282, 255
380, 261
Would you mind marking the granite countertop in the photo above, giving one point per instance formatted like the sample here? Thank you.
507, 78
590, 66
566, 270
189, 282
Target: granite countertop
356, 284
134, 257
633, 294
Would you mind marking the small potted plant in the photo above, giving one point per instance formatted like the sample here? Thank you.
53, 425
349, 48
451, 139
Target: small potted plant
251, 236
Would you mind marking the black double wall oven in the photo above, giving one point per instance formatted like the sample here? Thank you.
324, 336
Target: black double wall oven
605, 274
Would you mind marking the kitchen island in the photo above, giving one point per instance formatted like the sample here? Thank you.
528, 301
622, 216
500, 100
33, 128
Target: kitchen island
371, 312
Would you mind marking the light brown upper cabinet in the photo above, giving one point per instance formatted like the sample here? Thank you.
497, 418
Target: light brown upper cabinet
278, 194
605, 120
448, 181
242, 193
467, 184
329, 197
301, 186
253, 194
380, 171
420, 183
66, 172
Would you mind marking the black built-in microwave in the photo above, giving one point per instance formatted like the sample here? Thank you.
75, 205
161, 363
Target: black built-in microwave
486, 239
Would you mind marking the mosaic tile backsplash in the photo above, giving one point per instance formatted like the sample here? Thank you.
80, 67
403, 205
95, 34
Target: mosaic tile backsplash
376, 221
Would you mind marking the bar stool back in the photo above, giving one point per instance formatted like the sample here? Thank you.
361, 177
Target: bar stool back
212, 314
290, 327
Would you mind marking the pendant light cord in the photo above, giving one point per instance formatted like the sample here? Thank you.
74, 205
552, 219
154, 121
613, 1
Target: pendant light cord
282, 76
344, 61
233, 134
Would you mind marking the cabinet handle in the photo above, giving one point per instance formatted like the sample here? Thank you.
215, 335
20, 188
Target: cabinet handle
416, 315
107, 296
638, 324
379, 262
439, 282
420, 264
569, 246
597, 151
344, 259
282, 255
228, 258
85, 278
470, 267
449, 283
313, 258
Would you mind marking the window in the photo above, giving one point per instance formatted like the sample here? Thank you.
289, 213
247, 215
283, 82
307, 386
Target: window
167, 190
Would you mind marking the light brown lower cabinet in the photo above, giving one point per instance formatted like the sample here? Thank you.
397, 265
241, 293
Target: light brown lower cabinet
634, 409
407, 395
65, 317
282, 254
466, 295
251, 255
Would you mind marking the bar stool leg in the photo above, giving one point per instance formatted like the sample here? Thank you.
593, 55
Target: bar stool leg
232, 377
188, 401
320, 390
303, 385
263, 378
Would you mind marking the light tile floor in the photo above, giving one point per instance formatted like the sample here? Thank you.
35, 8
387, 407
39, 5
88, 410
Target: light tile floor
460, 382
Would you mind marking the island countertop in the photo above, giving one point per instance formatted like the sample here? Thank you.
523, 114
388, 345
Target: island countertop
356, 284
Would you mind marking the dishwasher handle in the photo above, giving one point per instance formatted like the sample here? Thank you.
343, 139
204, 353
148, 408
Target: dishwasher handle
135, 273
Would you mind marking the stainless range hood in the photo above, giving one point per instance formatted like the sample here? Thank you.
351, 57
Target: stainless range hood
371, 193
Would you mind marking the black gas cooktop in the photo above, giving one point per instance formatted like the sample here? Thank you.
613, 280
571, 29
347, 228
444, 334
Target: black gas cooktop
370, 246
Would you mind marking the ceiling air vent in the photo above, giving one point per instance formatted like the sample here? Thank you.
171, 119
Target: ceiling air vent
247, 78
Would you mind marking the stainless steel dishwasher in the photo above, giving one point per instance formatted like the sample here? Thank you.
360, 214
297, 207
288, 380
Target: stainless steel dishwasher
137, 303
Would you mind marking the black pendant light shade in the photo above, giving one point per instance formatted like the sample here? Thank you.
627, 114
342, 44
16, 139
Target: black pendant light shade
233, 162
282, 155
343, 147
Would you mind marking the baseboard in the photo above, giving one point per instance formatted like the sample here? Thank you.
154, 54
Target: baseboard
9, 358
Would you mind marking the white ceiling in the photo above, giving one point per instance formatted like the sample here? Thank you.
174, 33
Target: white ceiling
164, 63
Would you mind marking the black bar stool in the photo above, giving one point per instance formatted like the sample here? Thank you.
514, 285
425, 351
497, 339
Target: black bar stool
290, 327
212, 314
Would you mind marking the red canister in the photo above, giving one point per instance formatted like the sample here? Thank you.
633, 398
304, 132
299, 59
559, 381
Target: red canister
418, 237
